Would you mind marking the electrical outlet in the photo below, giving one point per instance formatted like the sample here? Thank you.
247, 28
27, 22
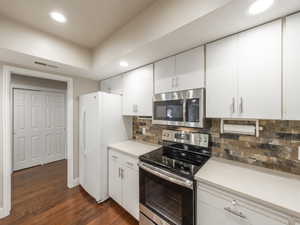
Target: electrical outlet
298, 152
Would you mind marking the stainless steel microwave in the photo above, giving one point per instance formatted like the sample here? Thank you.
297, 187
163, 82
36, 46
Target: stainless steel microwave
181, 108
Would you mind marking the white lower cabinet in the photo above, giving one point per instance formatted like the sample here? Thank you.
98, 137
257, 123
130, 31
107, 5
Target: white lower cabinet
115, 180
124, 181
215, 207
131, 191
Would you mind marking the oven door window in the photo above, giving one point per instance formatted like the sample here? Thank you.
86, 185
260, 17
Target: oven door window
169, 110
192, 110
170, 201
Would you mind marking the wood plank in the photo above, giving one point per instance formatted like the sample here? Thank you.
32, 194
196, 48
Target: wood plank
41, 197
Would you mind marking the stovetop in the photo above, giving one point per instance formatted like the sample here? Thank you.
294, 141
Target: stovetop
182, 159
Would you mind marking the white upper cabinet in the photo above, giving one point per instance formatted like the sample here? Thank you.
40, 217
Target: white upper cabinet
291, 69
112, 85
244, 75
138, 92
189, 69
259, 72
181, 72
164, 75
221, 73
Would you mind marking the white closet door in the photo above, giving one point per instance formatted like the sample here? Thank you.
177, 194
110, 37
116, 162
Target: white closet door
55, 134
39, 128
28, 119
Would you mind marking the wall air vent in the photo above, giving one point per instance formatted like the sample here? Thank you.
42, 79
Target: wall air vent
45, 64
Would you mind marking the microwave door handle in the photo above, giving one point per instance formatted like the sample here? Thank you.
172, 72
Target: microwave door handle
184, 110
167, 176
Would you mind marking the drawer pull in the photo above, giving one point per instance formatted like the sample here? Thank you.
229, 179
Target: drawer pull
239, 214
114, 157
129, 164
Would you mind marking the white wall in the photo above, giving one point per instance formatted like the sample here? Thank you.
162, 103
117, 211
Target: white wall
37, 82
24, 39
161, 18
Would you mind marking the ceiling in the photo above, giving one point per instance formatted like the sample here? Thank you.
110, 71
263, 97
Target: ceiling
215, 25
89, 22
226, 19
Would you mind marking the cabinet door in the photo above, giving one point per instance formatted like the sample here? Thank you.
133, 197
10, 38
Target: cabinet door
215, 208
115, 180
291, 69
112, 85
221, 74
138, 92
164, 75
131, 191
190, 69
259, 72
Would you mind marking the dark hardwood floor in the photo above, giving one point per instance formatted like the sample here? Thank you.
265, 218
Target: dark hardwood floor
41, 197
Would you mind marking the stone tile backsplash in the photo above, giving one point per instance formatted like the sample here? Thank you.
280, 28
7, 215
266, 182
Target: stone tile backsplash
276, 147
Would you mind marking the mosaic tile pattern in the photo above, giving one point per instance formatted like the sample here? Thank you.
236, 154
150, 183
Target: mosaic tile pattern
276, 147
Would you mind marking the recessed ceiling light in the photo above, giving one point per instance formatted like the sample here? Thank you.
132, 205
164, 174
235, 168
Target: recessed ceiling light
260, 6
58, 17
123, 63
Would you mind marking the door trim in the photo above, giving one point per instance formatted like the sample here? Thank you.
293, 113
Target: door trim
7, 128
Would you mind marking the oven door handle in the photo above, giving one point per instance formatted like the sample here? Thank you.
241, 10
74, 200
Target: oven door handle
167, 176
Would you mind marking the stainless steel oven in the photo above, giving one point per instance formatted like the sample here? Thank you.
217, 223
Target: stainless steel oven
182, 108
165, 198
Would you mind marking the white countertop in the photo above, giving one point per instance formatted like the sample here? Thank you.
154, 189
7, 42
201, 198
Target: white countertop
134, 148
278, 190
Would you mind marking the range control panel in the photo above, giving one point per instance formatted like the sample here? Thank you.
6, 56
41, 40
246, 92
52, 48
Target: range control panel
186, 137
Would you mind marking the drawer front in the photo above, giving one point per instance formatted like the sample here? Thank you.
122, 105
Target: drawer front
130, 162
124, 159
238, 209
116, 156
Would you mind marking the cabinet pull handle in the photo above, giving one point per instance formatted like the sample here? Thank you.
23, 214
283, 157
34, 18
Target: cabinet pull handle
114, 157
241, 105
233, 105
119, 172
122, 173
239, 214
135, 108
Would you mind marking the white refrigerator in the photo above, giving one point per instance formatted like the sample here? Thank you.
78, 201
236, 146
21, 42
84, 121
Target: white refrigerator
101, 123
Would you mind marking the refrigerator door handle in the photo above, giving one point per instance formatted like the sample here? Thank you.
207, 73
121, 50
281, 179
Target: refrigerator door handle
84, 133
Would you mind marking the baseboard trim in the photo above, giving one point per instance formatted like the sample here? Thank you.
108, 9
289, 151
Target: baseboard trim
3, 213
76, 182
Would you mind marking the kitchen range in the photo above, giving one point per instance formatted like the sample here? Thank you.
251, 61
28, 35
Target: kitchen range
167, 186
